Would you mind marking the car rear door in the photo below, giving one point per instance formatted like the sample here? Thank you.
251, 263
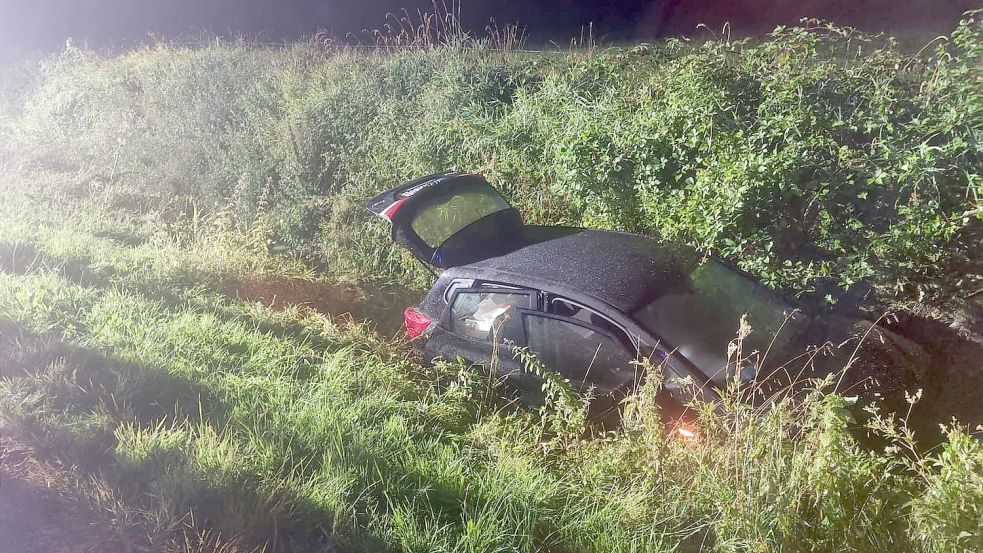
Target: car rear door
480, 323
449, 219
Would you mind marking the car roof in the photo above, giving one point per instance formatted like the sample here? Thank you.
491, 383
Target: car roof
623, 270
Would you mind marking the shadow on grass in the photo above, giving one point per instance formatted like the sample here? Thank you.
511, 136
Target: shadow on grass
48, 377
22, 258
51, 389
120, 237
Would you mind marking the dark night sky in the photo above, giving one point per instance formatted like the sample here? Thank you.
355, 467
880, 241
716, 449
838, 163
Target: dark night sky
28, 25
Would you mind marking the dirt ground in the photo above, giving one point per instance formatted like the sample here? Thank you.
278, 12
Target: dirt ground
953, 341
382, 306
38, 511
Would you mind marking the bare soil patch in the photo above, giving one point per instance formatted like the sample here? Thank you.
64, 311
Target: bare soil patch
954, 380
382, 306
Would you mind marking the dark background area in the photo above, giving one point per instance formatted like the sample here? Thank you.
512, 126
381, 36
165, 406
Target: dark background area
44, 25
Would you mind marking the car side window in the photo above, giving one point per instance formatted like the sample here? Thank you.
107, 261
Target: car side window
455, 285
487, 315
576, 350
573, 310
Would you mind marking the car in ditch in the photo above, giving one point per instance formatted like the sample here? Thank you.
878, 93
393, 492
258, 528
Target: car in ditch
591, 304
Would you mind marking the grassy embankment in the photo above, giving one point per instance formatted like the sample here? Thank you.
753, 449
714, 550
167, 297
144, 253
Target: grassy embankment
136, 189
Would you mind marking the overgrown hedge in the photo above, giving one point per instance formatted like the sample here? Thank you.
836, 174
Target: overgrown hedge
815, 158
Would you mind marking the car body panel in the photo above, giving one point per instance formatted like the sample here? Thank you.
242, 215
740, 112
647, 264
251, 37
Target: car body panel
643, 346
670, 294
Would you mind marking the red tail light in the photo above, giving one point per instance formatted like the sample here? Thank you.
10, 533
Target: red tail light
416, 322
388, 213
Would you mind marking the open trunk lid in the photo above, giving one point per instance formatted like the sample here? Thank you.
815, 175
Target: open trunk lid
449, 219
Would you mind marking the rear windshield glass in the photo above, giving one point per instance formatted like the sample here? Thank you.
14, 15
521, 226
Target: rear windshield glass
442, 218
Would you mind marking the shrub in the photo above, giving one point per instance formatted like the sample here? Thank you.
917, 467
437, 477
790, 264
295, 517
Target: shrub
816, 158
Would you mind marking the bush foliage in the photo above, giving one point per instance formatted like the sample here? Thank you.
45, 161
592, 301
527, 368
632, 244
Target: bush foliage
816, 158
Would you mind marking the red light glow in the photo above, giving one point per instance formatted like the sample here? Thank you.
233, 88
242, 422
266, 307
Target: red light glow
416, 322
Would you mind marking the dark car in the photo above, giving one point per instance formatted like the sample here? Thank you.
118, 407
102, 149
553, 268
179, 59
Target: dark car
589, 303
